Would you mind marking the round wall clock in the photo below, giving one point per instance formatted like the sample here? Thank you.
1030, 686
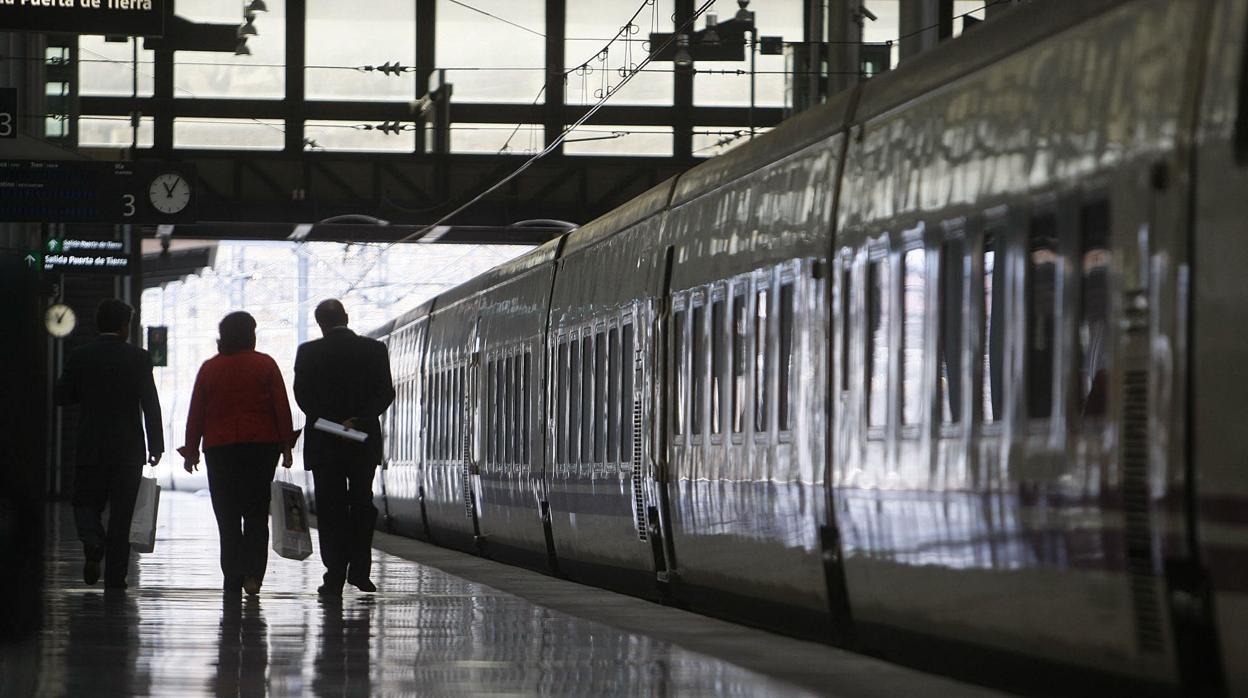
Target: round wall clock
60, 320
169, 193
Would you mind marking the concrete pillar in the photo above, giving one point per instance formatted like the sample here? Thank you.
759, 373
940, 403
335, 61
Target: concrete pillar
918, 22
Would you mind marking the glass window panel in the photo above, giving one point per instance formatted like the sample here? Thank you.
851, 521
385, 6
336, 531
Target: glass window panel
1096, 263
727, 83
518, 425
235, 134
877, 343
740, 355
718, 350
785, 365
561, 416
626, 393
847, 288
488, 60
619, 140
501, 413
112, 132
762, 364
680, 399
950, 342
993, 329
913, 316
107, 69
600, 397
390, 28
587, 398
590, 25
1042, 274
574, 402
613, 396
262, 75
697, 378
347, 136
527, 397
492, 138
491, 420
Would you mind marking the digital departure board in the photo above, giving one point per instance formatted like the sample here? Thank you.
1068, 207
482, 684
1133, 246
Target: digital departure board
128, 17
72, 191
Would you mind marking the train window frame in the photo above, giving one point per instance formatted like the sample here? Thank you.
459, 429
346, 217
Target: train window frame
717, 404
588, 395
614, 402
628, 383
508, 363
1080, 396
560, 357
741, 409
950, 268
844, 323
601, 406
912, 409
789, 277
878, 259
698, 365
1045, 208
574, 397
761, 362
677, 387
994, 227
526, 440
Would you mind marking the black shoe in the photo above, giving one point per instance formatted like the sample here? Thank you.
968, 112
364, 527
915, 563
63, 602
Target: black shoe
364, 584
251, 585
329, 591
91, 571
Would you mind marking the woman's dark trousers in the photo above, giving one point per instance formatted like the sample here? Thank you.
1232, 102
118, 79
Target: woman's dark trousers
239, 479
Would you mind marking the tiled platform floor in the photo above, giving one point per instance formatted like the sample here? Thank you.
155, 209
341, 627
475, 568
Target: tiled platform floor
426, 632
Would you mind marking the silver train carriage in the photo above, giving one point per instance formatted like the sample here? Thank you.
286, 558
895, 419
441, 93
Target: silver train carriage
949, 368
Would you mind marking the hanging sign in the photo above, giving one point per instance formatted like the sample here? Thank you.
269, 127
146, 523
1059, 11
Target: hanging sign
128, 17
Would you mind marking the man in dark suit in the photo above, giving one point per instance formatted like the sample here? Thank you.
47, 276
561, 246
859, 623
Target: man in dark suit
343, 378
112, 381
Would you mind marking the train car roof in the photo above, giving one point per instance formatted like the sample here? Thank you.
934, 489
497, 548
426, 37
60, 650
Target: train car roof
544, 253
651, 202
1009, 33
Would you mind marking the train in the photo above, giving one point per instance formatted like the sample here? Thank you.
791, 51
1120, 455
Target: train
948, 369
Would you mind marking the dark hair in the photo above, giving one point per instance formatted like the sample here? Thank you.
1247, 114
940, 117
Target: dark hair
112, 315
238, 332
330, 313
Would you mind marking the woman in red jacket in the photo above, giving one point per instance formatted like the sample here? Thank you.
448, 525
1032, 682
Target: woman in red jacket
240, 411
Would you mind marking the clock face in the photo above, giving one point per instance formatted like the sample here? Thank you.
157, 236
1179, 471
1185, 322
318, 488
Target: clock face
60, 320
169, 193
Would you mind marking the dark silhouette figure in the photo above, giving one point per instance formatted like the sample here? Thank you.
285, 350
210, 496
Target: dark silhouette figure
343, 378
344, 658
240, 412
112, 381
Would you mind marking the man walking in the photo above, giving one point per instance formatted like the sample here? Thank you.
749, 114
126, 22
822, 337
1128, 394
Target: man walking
112, 380
343, 378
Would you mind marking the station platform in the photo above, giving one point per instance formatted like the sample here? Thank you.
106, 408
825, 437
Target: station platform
443, 623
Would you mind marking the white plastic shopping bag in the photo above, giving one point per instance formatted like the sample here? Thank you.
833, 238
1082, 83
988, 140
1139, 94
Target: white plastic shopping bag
143, 524
288, 510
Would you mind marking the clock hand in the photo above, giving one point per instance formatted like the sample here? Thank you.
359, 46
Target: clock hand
61, 316
169, 189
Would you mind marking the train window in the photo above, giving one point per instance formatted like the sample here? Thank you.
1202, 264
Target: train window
913, 315
510, 420
877, 343
587, 398
626, 393
786, 355
992, 328
600, 397
740, 320
761, 365
1041, 287
458, 416
949, 344
697, 378
613, 395
1095, 258
847, 281
574, 401
717, 366
679, 408
561, 414
526, 395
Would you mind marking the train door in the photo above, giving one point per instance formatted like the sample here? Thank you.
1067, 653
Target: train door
666, 331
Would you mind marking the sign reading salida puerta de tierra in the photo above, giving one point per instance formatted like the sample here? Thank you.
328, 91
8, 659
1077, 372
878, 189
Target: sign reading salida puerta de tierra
129, 17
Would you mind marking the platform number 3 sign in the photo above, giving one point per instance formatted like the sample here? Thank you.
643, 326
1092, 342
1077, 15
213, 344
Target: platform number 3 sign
8, 112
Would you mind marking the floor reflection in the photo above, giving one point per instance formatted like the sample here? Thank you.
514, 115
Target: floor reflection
426, 633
